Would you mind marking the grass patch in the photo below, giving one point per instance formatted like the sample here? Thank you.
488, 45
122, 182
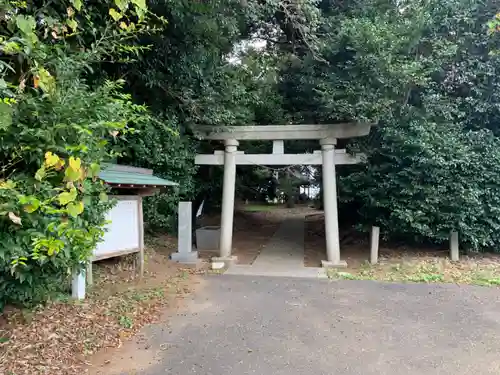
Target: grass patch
428, 270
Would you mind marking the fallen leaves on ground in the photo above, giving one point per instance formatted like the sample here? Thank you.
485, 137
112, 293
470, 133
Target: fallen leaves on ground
60, 337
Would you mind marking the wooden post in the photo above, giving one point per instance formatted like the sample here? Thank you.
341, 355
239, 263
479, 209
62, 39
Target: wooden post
454, 248
374, 242
141, 237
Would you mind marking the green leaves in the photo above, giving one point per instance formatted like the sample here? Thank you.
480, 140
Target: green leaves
5, 116
26, 24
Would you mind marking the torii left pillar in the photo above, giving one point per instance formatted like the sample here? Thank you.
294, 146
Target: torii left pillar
330, 204
228, 193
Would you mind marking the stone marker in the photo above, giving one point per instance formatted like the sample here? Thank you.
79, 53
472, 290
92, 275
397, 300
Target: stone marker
374, 241
454, 249
185, 253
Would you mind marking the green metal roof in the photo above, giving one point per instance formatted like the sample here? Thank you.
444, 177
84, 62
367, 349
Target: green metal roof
114, 174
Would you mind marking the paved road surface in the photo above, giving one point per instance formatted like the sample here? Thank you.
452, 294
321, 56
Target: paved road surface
240, 325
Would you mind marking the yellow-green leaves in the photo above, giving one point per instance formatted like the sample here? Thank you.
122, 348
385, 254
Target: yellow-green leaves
32, 206
11, 48
140, 9
7, 185
51, 159
67, 196
45, 81
30, 203
21, 260
40, 174
122, 4
115, 14
73, 25
74, 209
77, 4
94, 170
74, 170
51, 245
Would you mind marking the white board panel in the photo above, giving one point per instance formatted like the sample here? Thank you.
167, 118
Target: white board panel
122, 233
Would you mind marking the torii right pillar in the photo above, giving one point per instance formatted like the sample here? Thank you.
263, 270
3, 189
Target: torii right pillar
330, 204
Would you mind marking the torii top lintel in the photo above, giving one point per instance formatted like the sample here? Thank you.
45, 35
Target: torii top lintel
286, 132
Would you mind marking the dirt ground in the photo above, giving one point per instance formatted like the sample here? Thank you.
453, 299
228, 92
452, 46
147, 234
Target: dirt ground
68, 337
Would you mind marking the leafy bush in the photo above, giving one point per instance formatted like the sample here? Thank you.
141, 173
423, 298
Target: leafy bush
427, 178
55, 131
52, 212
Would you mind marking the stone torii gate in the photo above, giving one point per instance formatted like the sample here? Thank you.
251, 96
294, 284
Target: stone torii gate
328, 157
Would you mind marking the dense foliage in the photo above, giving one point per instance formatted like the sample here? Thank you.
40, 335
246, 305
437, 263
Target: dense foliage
426, 74
55, 131
86, 82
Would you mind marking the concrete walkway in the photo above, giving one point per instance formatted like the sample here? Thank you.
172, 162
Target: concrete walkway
285, 326
283, 256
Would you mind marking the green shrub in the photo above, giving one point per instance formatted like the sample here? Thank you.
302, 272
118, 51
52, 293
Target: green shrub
55, 131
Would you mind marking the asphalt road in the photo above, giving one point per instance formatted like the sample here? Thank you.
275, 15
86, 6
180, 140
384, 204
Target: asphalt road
238, 325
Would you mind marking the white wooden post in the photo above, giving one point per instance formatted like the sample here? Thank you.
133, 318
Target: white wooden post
141, 236
374, 242
78, 284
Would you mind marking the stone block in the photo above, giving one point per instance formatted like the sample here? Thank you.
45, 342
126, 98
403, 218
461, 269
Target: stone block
208, 238
218, 265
